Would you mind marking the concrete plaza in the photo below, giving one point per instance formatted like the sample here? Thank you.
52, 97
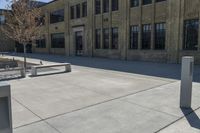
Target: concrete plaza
104, 96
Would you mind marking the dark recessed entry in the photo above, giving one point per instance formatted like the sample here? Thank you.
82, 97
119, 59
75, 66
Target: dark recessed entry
4, 113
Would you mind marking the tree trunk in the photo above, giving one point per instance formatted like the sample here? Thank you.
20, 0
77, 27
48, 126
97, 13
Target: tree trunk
25, 58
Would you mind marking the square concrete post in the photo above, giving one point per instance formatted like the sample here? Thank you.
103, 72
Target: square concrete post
186, 82
5, 109
33, 71
68, 68
23, 73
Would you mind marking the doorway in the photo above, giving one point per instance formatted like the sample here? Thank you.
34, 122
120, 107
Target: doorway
79, 43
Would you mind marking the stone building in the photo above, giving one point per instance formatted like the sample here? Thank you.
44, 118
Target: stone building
6, 45
145, 30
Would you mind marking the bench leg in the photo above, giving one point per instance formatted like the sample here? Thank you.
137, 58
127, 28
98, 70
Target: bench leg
34, 72
68, 68
23, 73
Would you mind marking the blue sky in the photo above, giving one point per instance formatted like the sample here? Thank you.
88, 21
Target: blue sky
3, 3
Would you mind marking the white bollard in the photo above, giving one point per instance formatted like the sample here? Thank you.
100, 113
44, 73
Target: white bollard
186, 82
5, 109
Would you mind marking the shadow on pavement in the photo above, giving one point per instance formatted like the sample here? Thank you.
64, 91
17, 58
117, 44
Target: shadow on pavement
163, 70
191, 117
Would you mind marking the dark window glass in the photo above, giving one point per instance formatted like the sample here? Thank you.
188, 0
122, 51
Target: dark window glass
115, 39
78, 11
106, 38
160, 0
134, 34
97, 6
98, 39
191, 30
115, 5
58, 40
40, 20
145, 2
72, 12
146, 36
160, 31
134, 3
105, 6
41, 43
57, 16
2, 19
84, 9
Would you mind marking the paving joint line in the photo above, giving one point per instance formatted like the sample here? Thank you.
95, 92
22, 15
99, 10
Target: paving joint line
41, 119
177, 120
94, 104
150, 108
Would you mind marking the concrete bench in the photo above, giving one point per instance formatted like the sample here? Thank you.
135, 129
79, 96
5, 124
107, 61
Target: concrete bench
5, 108
35, 68
22, 71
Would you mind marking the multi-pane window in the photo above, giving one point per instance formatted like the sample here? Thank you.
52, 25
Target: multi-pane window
146, 36
78, 11
145, 2
58, 40
98, 39
72, 12
41, 43
115, 5
134, 3
84, 9
160, 32
105, 6
57, 16
106, 38
115, 39
191, 30
134, 34
2, 19
97, 6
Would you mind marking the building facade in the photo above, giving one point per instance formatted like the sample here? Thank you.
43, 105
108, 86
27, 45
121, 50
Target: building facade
146, 30
6, 44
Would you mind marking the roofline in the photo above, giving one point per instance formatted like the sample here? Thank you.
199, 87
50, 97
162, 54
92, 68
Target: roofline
5, 10
49, 3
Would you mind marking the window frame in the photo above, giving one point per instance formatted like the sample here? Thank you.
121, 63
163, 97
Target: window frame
53, 41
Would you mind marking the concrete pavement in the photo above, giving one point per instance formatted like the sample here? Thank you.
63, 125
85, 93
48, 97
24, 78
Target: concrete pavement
104, 99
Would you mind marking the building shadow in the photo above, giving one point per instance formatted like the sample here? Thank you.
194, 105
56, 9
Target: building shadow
191, 117
163, 70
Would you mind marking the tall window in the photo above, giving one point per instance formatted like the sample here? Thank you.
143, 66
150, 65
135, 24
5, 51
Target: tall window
115, 39
58, 40
72, 12
41, 43
105, 6
97, 6
134, 34
160, 31
78, 11
84, 9
98, 39
106, 38
145, 2
146, 36
115, 5
57, 16
134, 3
191, 30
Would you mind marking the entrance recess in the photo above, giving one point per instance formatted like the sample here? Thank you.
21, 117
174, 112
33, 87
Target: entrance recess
79, 42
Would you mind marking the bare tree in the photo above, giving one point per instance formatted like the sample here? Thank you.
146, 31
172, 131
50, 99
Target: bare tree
22, 23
